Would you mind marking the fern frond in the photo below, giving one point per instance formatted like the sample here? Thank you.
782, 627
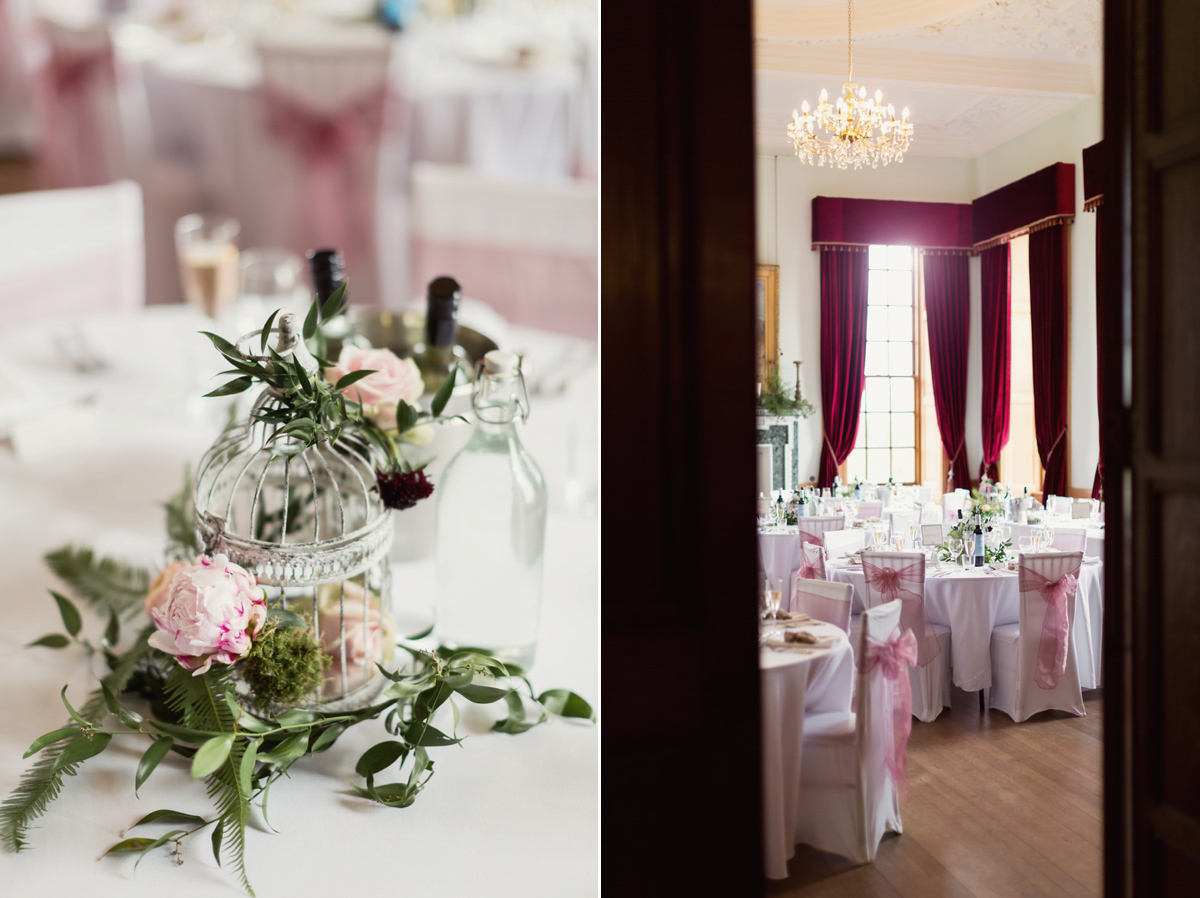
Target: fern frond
38, 787
200, 702
181, 523
106, 584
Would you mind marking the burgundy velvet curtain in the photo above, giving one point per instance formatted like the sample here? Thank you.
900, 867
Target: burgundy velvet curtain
997, 330
947, 307
1098, 483
1048, 311
843, 352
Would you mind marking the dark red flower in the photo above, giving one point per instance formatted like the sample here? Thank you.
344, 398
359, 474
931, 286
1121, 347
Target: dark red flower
402, 490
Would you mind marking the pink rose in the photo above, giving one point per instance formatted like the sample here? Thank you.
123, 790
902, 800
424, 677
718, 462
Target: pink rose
160, 589
368, 632
394, 379
212, 611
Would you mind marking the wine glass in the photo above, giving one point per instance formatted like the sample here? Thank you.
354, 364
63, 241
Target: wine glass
964, 559
1048, 537
1025, 544
208, 261
270, 280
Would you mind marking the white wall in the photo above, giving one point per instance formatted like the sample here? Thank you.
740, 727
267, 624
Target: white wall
785, 191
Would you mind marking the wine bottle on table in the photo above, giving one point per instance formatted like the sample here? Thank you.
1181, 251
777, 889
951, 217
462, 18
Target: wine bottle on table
438, 356
328, 272
978, 542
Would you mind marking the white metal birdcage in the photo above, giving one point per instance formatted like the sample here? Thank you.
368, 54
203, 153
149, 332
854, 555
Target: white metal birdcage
308, 523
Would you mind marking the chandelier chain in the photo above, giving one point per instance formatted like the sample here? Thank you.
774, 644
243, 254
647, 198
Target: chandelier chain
850, 40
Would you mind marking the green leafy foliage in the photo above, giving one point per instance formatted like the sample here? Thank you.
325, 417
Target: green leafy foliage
106, 585
182, 543
774, 401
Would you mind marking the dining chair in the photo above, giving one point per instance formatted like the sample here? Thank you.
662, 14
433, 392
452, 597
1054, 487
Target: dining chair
824, 600
79, 252
1059, 505
840, 542
854, 769
1033, 661
889, 576
901, 520
952, 503
924, 495
1083, 508
812, 529
870, 510
323, 99
1069, 540
812, 562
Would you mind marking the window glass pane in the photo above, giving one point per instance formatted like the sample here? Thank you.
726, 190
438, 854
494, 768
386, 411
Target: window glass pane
900, 257
878, 320
856, 465
900, 288
878, 257
904, 430
901, 359
877, 359
877, 396
878, 431
877, 288
903, 395
879, 467
900, 326
904, 465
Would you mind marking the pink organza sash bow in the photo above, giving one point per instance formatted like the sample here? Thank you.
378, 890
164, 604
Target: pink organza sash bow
806, 537
895, 657
328, 143
888, 582
1052, 649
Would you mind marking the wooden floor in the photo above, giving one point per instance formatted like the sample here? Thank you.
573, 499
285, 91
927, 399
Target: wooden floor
997, 809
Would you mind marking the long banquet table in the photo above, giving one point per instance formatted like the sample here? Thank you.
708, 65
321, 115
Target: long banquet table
795, 683
503, 815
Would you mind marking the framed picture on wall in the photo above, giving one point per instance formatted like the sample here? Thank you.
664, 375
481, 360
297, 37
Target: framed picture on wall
766, 310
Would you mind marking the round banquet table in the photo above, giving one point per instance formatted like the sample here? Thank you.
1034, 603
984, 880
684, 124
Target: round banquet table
972, 603
503, 815
792, 684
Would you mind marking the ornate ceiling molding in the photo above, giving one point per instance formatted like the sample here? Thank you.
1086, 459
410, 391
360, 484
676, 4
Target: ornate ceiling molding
816, 20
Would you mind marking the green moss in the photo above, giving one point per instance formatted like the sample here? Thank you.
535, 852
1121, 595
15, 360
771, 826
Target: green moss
284, 665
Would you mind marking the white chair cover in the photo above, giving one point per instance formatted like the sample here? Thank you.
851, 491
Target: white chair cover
870, 510
78, 252
812, 562
848, 798
814, 529
324, 101
840, 542
824, 600
1033, 660
902, 520
889, 576
1058, 505
952, 503
924, 495
1069, 540
1083, 508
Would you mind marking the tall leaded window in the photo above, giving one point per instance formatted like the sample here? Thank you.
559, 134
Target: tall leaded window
886, 445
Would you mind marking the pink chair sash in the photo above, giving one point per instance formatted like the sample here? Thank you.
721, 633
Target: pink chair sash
888, 583
338, 201
806, 537
1052, 648
895, 657
74, 146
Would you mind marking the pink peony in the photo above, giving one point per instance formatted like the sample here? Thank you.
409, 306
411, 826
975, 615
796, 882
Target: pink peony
395, 379
160, 589
212, 611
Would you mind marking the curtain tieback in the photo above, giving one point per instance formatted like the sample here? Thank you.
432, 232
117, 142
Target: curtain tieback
829, 446
1062, 433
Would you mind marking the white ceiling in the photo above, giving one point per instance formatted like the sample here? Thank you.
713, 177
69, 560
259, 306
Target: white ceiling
973, 73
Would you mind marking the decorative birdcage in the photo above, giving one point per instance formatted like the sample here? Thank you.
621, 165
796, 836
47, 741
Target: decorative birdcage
308, 522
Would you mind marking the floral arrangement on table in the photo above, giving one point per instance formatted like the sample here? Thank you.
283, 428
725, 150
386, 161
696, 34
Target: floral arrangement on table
951, 548
214, 669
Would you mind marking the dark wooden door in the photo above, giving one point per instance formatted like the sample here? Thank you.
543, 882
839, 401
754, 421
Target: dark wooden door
1151, 308
680, 789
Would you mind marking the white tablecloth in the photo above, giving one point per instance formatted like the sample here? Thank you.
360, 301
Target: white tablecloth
793, 684
973, 603
503, 815
779, 555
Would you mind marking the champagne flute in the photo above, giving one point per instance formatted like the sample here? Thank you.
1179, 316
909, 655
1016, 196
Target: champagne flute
899, 542
1048, 537
776, 597
913, 531
208, 261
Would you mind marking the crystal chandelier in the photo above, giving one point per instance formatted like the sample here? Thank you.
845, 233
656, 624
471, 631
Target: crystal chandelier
852, 124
